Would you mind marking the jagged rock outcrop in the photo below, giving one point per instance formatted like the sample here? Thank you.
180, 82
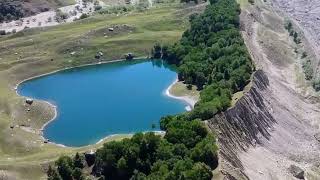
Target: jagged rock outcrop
241, 126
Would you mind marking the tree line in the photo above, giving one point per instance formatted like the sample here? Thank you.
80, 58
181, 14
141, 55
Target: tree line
212, 55
187, 151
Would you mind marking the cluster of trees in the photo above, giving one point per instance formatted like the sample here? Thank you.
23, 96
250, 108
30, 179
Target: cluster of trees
10, 10
67, 168
187, 151
211, 55
306, 62
292, 32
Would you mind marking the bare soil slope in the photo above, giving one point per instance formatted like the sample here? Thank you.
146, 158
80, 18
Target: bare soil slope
292, 137
276, 124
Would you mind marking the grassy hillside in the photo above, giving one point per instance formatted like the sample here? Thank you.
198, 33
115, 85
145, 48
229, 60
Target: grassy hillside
36, 51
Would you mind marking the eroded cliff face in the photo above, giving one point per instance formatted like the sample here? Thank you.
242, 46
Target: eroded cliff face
276, 125
241, 126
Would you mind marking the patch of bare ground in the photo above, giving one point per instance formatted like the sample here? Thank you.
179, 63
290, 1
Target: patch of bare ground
277, 126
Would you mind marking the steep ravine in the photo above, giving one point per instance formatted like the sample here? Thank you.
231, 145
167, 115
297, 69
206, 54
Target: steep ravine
276, 124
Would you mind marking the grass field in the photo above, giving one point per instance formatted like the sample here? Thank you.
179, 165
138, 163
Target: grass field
37, 51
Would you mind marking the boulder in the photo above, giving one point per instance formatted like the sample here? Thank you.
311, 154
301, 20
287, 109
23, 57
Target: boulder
29, 101
296, 171
129, 56
98, 55
110, 29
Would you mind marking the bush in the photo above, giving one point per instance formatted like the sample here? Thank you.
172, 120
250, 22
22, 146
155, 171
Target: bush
316, 84
307, 69
97, 7
2, 32
288, 26
84, 15
60, 16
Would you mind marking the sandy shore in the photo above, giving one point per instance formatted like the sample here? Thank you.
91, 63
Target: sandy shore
114, 135
189, 100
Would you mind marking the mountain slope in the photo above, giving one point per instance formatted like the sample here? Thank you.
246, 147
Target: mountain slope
276, 124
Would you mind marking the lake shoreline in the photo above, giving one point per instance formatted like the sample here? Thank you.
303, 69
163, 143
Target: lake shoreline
188, 99
53, 107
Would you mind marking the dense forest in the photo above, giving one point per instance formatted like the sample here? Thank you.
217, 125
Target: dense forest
211, 55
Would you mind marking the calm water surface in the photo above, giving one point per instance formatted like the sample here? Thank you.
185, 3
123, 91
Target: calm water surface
96, 101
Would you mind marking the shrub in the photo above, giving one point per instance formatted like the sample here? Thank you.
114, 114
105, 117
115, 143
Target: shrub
304, 54
307, 69
288, 26
2, 32
60, 16
316, 84
97, 7
84, 15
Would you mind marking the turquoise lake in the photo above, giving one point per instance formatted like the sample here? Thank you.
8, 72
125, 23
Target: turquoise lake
101, 100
